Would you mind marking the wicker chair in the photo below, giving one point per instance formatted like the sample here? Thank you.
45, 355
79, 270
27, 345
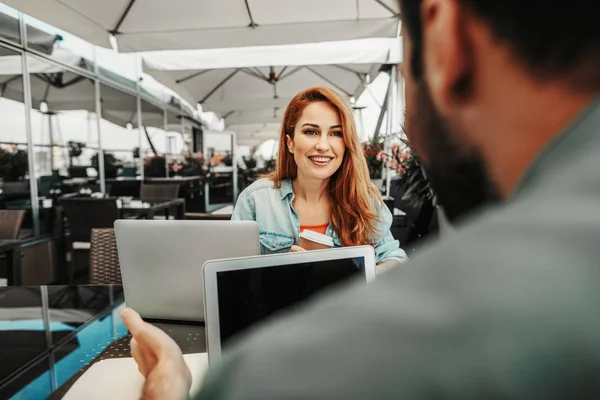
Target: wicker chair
159, 192
104, 258
83, 215
10, 223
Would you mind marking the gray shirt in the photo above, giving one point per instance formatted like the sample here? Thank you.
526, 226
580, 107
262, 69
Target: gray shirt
508, 306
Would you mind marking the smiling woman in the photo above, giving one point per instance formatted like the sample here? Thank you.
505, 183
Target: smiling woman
321, 183
319, 147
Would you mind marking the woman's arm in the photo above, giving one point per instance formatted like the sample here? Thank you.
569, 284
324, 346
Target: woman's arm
388, 248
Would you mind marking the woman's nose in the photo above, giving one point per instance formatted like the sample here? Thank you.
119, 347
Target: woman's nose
323, 144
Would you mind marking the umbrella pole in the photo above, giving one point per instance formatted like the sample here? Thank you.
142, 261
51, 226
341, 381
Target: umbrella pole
51, 134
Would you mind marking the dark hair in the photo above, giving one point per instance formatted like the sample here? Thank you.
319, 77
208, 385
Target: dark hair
552, 38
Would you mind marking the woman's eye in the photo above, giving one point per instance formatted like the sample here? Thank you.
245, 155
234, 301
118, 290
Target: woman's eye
310, 132
337, 133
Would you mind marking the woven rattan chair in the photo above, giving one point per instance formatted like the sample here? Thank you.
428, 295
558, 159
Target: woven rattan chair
104, 259
10, 225
83, 215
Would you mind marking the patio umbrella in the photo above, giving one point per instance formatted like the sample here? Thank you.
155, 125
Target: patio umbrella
198, 24
63, 90
254, 134
37, 39
253, 85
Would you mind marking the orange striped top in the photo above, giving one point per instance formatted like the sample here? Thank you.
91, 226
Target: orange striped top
315, 228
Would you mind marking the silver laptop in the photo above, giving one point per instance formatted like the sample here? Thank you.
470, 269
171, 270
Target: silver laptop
161, 262
240, 293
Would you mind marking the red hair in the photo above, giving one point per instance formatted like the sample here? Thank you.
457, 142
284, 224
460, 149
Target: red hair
353, 196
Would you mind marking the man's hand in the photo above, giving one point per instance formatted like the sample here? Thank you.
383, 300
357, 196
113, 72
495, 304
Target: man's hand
158, 358
295, 249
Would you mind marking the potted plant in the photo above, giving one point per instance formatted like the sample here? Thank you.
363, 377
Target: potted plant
270, 165
419, 196
111, 165
228, 160
250, 162
155, 167
217, 160
403, 160
372, 150
14, 164
75, 149
194, 165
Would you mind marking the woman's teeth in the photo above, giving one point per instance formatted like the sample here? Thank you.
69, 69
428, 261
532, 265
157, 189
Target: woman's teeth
320, 159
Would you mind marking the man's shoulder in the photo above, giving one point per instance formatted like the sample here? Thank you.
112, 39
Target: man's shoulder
528, 229
417, 321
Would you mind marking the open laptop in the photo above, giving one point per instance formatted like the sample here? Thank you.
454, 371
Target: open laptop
240, 293
231, 287
161, 262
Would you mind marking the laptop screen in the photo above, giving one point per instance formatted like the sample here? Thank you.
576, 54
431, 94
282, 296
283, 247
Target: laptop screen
249, 296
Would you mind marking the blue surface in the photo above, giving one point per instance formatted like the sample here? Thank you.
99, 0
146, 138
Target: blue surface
92, 340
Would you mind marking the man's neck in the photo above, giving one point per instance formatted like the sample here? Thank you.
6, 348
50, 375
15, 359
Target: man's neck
522, 127
311, 191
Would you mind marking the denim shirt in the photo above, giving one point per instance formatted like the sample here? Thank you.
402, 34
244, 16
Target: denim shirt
279, 224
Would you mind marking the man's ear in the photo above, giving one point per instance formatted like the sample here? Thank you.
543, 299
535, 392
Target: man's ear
446, 52
290, 143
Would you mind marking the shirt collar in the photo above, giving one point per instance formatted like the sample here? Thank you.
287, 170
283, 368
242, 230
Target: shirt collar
286, 188
582, 131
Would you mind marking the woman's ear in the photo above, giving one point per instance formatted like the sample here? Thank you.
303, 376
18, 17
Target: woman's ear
290, 143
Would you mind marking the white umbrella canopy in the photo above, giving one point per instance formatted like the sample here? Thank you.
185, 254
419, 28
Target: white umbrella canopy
142, 25
63, 90
225, 80
254, 85
255, 134
227, 90
36, 39
251, 117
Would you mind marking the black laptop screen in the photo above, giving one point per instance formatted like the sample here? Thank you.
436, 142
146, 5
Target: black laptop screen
249, 296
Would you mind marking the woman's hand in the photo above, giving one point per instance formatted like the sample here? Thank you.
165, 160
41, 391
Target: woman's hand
295, 249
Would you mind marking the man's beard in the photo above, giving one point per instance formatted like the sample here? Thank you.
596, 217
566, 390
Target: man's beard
457, 172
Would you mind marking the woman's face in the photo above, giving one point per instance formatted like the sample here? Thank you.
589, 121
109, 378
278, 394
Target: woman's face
318, 143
